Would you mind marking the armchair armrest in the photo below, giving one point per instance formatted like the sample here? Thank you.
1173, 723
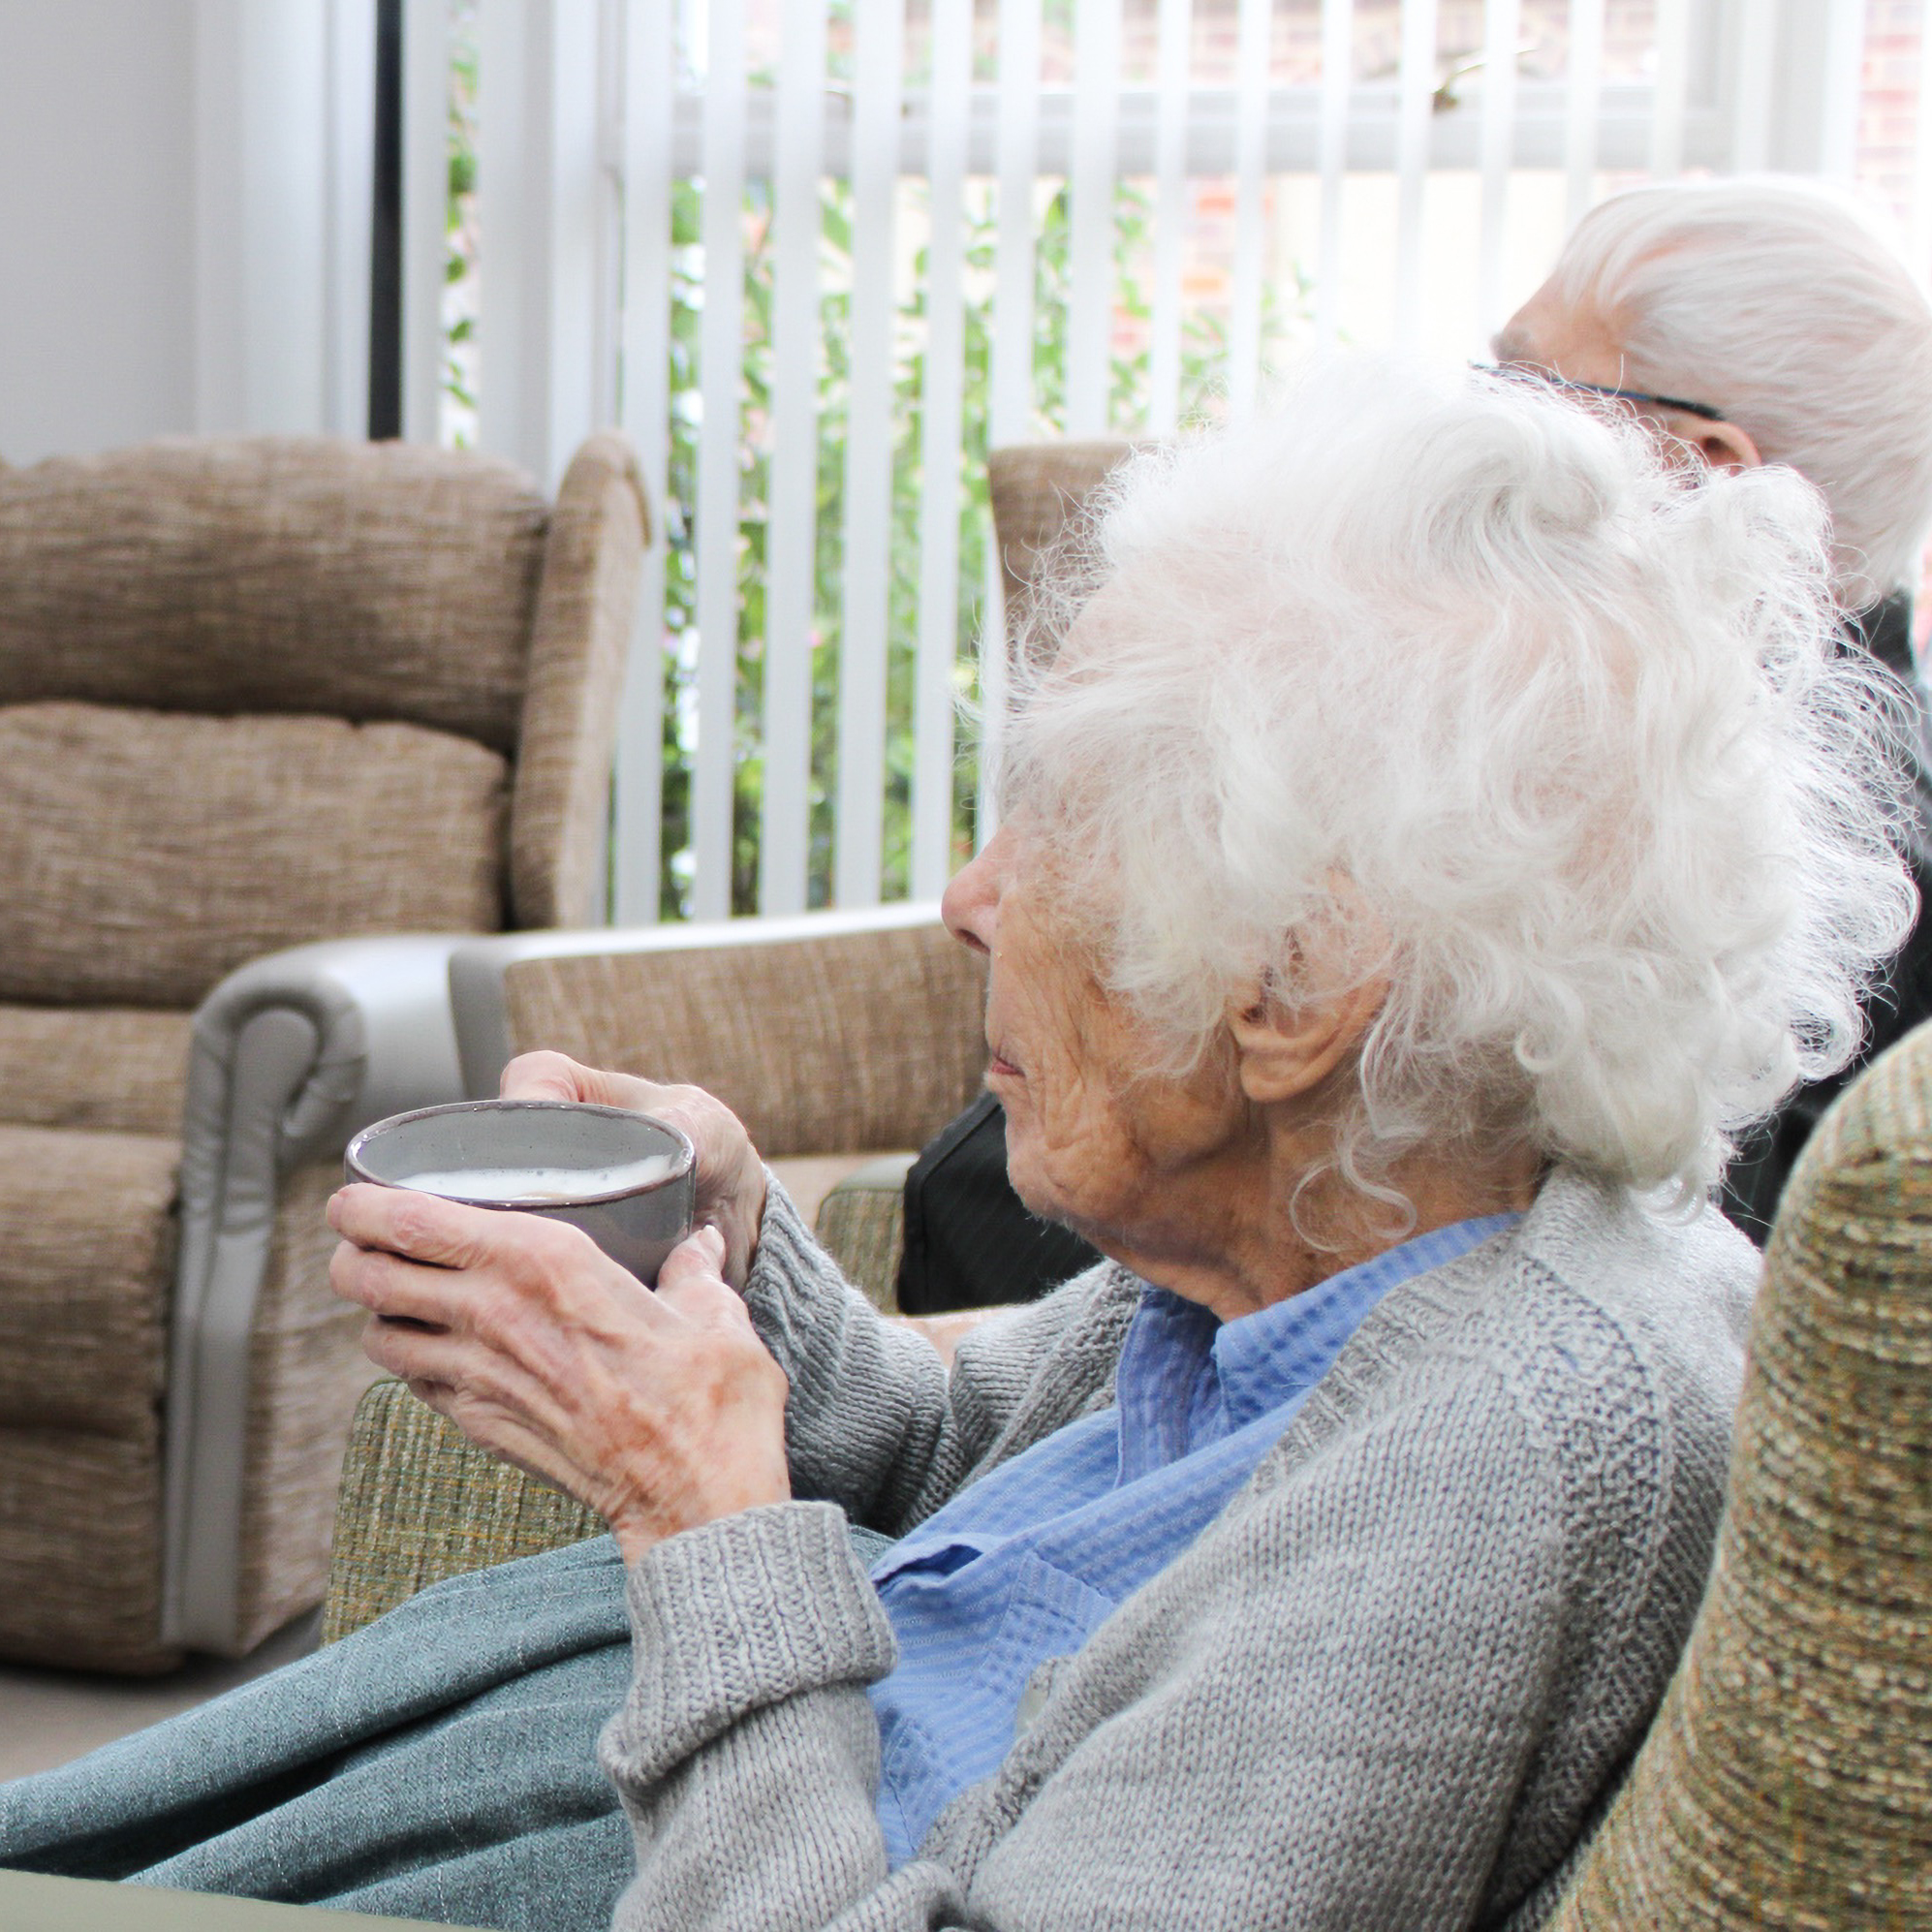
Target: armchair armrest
861, 1223
421, 1501
290, 1056
828, 1033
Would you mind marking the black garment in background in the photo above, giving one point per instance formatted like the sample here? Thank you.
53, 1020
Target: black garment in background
1758, 1177
970, 1242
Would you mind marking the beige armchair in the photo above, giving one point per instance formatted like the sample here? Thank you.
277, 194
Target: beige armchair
279, 722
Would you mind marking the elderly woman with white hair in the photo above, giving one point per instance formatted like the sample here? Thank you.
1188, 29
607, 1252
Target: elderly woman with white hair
1434, 830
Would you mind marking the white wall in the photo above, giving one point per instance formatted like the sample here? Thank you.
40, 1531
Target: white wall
184, 219
97, 223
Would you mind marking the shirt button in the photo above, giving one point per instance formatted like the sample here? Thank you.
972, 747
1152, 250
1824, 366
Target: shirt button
1031, 1700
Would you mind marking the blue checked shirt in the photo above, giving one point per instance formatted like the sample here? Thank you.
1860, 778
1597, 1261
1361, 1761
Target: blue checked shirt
1023, 1564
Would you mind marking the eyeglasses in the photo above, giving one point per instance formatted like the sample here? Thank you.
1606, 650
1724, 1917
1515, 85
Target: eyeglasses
1523, 373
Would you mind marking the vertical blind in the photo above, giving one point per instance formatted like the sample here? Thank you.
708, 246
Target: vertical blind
819, 256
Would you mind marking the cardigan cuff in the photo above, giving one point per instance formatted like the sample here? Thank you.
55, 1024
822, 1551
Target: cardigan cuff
738, 1614
787, 1250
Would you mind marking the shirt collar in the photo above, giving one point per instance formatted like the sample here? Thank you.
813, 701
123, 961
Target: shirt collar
1181, 1368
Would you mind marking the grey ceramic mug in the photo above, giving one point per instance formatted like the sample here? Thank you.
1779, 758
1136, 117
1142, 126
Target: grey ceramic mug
635, 1225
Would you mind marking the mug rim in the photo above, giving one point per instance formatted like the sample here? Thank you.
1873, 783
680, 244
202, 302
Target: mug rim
686, 1157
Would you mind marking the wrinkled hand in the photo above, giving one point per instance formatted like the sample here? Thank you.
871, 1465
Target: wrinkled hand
660, 1411
730, 1177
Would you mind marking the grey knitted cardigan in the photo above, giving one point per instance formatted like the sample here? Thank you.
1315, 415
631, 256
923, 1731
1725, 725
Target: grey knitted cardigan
1393, 1685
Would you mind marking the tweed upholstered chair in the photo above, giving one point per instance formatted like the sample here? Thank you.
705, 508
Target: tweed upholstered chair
1036, 489
267, 698
1787, 1782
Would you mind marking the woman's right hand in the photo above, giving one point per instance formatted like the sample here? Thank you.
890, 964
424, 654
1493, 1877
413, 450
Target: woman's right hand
731, 1177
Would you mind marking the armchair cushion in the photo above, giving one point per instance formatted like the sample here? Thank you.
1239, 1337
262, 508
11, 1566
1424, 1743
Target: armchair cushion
1037, 490
327, 829
579, 646
87, 1226
101, 1066
81, 1552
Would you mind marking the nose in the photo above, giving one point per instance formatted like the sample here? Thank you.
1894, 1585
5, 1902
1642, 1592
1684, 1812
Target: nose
971, 905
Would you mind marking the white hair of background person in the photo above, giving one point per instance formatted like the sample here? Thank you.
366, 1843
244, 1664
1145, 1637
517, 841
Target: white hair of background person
1449, 679
1787, 305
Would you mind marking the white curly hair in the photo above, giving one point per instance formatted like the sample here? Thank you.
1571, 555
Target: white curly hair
1446, 680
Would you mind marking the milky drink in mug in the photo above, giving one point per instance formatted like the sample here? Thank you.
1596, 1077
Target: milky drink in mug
627, 1180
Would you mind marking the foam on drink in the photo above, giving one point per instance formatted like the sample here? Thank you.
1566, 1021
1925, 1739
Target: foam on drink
535, 1187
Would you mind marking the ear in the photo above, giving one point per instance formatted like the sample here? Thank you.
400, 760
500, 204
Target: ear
1286, 1051
1722, 446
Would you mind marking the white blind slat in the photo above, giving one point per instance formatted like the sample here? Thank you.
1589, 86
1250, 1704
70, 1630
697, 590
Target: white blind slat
1501, 25
1251, 132
942, 390
502, 60
1016, 140
1754, 79
649, 78
1667, 114
1172, 65
1090, 269
1417, 89
1583, 98
1844, 66
721, 365
992, 698
878, 68
1338, 54
792, 535
1922, 171
1018, 145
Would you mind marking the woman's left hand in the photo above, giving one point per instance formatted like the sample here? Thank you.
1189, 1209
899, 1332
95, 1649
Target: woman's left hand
660, 1409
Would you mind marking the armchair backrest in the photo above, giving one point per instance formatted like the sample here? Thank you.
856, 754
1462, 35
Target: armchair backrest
1787, 1782
828, 1033
368, 582
1037, 490
258, 693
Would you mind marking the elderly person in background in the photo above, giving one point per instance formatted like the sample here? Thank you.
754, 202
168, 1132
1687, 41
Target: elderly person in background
1764, 321
1434, 830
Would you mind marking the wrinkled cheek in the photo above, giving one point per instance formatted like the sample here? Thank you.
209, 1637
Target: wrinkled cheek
1066, 1159
1028, 1168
